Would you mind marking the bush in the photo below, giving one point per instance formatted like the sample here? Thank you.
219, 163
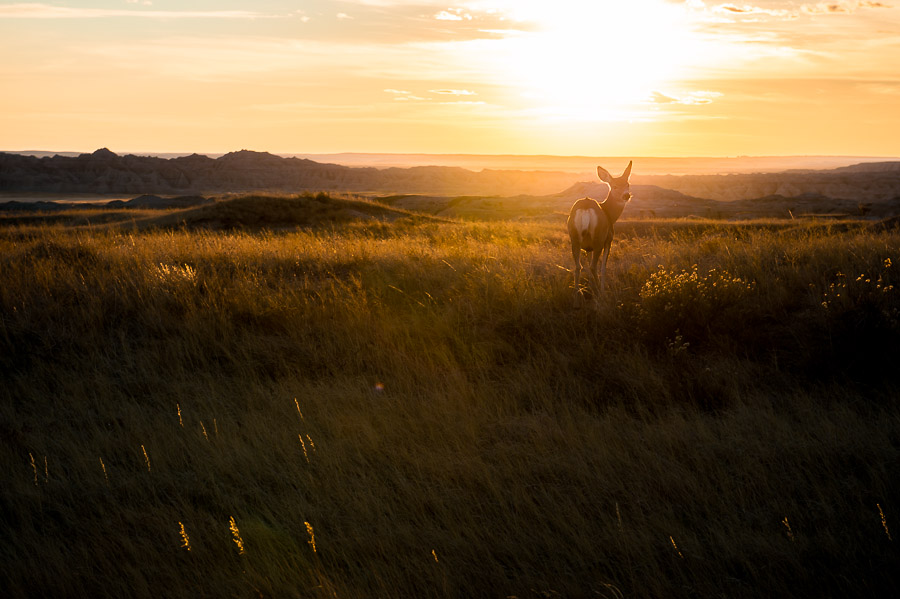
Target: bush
690, 305
861, 316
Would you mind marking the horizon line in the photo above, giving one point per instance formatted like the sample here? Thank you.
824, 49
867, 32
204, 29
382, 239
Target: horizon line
473, 154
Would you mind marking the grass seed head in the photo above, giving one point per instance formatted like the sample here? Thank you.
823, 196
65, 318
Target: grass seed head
884, 522
236, 535
34, 468
146, 457
185, 540
312, 536
787, 525
678, 551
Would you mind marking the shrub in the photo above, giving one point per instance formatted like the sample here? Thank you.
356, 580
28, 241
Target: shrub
861, 316
690, 305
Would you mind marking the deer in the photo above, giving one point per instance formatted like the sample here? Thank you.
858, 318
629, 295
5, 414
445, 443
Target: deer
590, 226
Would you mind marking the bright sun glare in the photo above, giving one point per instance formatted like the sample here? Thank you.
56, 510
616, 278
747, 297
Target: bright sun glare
597, 60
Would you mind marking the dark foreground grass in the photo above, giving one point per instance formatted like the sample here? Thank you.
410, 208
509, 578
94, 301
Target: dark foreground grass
415, 410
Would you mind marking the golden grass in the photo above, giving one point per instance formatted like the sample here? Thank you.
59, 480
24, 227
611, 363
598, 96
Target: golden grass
413, 409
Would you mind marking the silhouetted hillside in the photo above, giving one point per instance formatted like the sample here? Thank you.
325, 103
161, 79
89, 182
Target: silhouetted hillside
864, 189
145, 202
649, 202
279, 212
871, 182
106, 172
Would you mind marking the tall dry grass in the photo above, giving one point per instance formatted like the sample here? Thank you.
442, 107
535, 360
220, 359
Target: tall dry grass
414, 410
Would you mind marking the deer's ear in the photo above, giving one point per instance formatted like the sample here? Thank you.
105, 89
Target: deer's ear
604, 174
627, 172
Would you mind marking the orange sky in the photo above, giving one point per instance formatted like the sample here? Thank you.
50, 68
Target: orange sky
630, 78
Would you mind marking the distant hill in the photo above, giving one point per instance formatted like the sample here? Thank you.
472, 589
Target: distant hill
858, 189
582, 166
869, 182
585, 166
649, 202
143, 202
871, 167
106, 172
279, 212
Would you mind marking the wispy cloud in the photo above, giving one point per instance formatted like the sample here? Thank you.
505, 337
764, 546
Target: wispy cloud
752, 12
696, 98
389, 3
746, 9
841, 7
799, 39
403, 95
453, 92
453, 14
46, 11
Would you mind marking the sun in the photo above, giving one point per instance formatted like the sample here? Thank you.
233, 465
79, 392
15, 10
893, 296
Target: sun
597, 60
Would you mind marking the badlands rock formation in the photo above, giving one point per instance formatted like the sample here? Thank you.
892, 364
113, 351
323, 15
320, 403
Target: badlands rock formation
871, 182
105, 172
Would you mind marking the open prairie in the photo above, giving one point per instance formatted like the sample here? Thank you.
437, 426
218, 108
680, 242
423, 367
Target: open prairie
307, 396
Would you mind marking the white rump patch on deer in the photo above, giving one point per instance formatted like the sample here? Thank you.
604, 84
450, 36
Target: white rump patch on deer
585, 220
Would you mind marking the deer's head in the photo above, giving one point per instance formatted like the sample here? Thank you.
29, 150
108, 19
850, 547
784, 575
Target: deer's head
619, 187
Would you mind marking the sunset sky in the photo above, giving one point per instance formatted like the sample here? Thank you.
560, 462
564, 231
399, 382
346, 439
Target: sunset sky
627, 78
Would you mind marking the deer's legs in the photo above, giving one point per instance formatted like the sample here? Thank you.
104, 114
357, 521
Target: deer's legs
603, 268
576, 256
595, 284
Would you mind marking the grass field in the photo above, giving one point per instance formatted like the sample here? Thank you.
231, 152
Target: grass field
362, 408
